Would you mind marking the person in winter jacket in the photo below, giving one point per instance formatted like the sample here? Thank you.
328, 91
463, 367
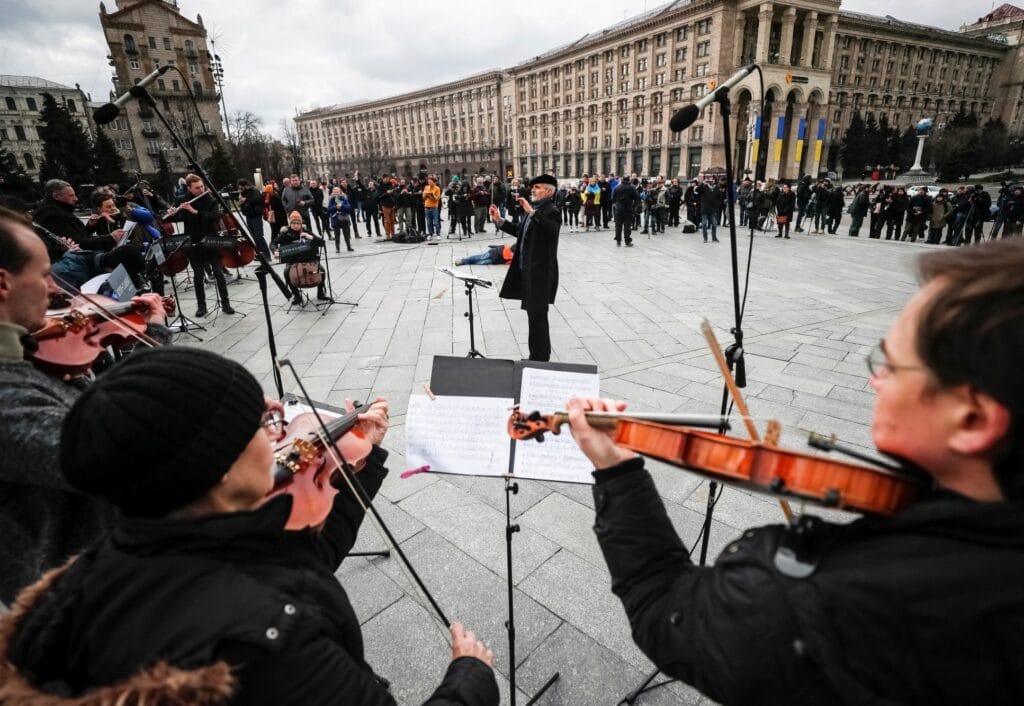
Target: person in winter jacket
918, 604
207, 589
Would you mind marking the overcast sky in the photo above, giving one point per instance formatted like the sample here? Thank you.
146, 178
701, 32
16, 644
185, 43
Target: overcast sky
280, 57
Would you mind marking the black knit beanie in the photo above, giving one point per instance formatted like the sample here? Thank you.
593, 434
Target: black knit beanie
160, 428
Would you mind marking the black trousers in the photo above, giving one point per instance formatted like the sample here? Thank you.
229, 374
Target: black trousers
198, 259
539, 335
623, 222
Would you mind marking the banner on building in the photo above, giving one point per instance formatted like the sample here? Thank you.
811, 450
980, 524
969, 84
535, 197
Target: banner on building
801, 138
780, 133
821, 138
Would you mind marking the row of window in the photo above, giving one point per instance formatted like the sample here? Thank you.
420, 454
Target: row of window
20, 134
131, 47
32, 105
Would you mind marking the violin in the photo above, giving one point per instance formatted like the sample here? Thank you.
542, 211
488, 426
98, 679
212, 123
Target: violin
757, 465
304, 466
69, 344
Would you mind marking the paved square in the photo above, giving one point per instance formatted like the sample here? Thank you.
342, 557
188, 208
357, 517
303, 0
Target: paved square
815, 306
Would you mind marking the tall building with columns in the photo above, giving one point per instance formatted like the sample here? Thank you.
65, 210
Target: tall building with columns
603, 102
143, 35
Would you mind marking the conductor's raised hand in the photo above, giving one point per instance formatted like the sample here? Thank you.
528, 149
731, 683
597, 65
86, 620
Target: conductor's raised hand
465, 644
595, 444
494, 213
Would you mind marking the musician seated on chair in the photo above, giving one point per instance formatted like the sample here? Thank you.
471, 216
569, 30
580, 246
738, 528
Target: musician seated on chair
198, 594
42, 519
307, 272
923, 607
92, 252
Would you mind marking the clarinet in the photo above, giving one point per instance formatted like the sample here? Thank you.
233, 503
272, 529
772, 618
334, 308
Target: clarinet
55, 238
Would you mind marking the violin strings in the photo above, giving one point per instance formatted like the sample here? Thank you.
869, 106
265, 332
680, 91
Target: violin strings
350, 481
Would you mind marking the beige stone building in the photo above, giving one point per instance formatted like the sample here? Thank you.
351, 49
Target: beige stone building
603, 103
143, 35
21, 100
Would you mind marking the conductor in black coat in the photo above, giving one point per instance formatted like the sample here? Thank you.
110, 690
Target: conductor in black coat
533, 275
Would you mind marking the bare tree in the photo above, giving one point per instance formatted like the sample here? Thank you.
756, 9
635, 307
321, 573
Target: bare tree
374, 156
292, 145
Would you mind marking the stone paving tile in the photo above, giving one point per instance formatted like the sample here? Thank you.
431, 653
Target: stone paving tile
477, 529
635, 314
589, 673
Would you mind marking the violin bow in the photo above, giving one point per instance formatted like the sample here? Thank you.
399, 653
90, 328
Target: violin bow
361, 496
104, 313
734, 390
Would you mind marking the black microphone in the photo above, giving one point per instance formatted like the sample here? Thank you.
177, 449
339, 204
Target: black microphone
106, 113
685, 117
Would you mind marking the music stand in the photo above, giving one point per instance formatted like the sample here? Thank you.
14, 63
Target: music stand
330, 284
182, 323
470, 282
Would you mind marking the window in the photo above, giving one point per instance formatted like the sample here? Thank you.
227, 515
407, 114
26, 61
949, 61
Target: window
193, 69
174, 85
197, 88
19, 132
134, 64
29, 162
682, 34
641, 45
659, 40
167, 43
190, 48
704, 26
129, 44
679, 75
152, 42
160, 84
641, 64
3, 134
697, 133
659, 60
11, 105
704, 49
31, 103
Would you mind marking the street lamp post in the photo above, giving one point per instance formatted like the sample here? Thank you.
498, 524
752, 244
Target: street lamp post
217, 69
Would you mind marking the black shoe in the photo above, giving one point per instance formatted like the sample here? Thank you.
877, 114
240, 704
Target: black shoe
201, 312
618, 242
350, 250
323, 298
629, 245
338, 250
643, 232
227, 309
779, 235
798, 230
786, 237
297, 300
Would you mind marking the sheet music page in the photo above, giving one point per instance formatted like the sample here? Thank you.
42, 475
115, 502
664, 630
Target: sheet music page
557, 458
462, 435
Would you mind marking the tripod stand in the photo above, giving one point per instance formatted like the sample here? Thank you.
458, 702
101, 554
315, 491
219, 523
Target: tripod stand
511, 489
470, 283
181, 323
733, 353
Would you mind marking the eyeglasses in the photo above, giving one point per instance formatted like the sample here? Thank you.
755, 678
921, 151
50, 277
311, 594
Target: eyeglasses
273, 420
878, 362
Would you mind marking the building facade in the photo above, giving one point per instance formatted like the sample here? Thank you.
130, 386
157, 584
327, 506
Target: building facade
21, 100
143, 35
603, 103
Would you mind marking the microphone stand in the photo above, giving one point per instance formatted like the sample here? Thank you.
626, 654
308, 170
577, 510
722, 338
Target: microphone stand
264, 270
733, 356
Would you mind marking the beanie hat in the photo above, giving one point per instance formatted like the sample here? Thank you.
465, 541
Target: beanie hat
160, 429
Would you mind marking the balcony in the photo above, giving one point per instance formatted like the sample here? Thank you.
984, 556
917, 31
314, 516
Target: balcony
150, 132
145, 112
153, 151
191, 54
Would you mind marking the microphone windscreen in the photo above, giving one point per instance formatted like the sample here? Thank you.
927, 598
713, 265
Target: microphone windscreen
684, 118
105, 113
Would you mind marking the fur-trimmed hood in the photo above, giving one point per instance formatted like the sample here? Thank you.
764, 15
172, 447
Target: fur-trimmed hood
159, 685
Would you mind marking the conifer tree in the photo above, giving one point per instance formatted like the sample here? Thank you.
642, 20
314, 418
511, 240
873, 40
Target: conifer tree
67, 153
108, 166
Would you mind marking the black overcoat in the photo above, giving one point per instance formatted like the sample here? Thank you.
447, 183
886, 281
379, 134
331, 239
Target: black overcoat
533, 275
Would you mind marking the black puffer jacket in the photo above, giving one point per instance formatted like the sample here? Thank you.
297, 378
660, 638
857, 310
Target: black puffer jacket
925, 607
199, 595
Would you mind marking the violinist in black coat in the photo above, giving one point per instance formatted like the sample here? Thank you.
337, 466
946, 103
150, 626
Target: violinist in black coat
533, 275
